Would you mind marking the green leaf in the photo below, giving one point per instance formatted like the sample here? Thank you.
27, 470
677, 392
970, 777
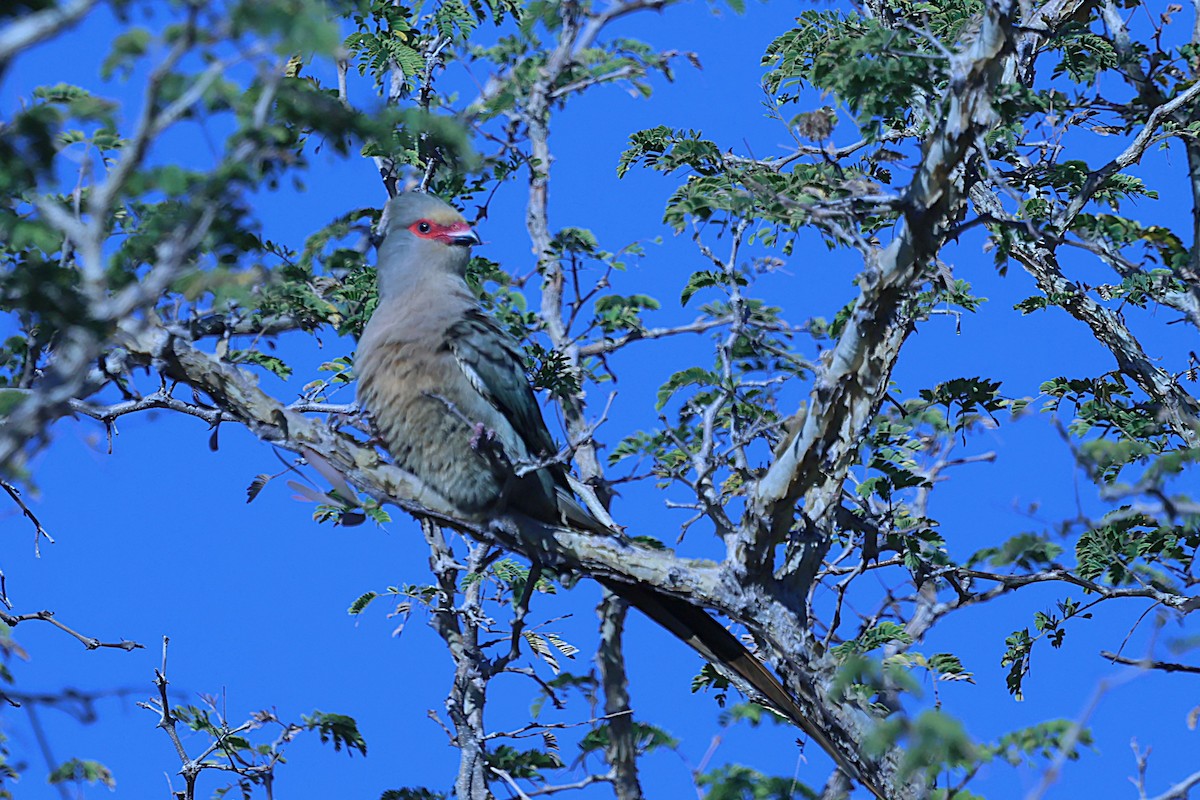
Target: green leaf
1016, 658
419, 793
1046, 740
937, 741
698, 281
80, 770
338, 729
10, 399
737, 782
646, 738
360, 604
267, 362
527, 764
872, 638
127, 46
692, 376
1026, 551
256, 486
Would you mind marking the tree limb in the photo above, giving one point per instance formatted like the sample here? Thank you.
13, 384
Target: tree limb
40, 26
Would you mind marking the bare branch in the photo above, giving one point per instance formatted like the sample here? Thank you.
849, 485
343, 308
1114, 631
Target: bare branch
605, 346
1181, 790
537, 728
459, 628
595, 777
1131, 155
73, 373
847, 393
1180, 408
433, 60
1069, 742
1148, 663
39, 26
90, 642
615, 11
38, 531
621, 744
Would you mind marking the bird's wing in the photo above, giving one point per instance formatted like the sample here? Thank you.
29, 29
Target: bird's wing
492, 362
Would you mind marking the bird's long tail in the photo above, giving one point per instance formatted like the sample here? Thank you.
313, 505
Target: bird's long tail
709, 638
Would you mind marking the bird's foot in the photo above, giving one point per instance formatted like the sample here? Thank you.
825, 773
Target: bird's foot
480, 433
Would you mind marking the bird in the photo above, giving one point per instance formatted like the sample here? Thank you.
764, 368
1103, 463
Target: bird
449, 396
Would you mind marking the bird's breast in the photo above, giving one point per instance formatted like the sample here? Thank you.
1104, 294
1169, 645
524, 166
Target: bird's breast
432, 420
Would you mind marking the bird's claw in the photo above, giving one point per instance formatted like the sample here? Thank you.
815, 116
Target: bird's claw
481, 433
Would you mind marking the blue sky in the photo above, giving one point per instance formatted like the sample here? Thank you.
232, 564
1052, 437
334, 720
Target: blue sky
156, 539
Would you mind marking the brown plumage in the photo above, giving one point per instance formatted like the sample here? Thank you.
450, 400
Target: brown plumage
446, 386
447, 390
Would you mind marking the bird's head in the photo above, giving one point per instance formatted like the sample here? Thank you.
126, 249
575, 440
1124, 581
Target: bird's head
422, 234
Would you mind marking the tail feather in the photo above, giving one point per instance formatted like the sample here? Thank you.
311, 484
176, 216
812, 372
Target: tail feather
709, 638
699, 630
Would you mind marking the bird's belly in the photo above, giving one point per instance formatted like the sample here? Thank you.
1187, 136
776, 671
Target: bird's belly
433, 428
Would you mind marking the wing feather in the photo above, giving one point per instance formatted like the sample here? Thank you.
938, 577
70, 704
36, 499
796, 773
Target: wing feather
491, 361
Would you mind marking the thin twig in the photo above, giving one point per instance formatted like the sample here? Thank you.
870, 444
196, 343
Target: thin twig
1148, 663
38, 532
91, 643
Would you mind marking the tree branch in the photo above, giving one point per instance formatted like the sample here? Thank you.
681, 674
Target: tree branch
40, 26
620, 748
90, 642
848, 391
1148, 663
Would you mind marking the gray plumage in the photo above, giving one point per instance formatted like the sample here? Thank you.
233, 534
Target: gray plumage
445, 385
447, 390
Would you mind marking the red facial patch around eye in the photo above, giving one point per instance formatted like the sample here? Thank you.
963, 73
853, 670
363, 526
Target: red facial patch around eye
428, 229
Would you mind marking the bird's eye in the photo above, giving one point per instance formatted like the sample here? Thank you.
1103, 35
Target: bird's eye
424, 227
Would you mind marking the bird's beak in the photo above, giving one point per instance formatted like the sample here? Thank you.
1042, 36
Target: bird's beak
462, 235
